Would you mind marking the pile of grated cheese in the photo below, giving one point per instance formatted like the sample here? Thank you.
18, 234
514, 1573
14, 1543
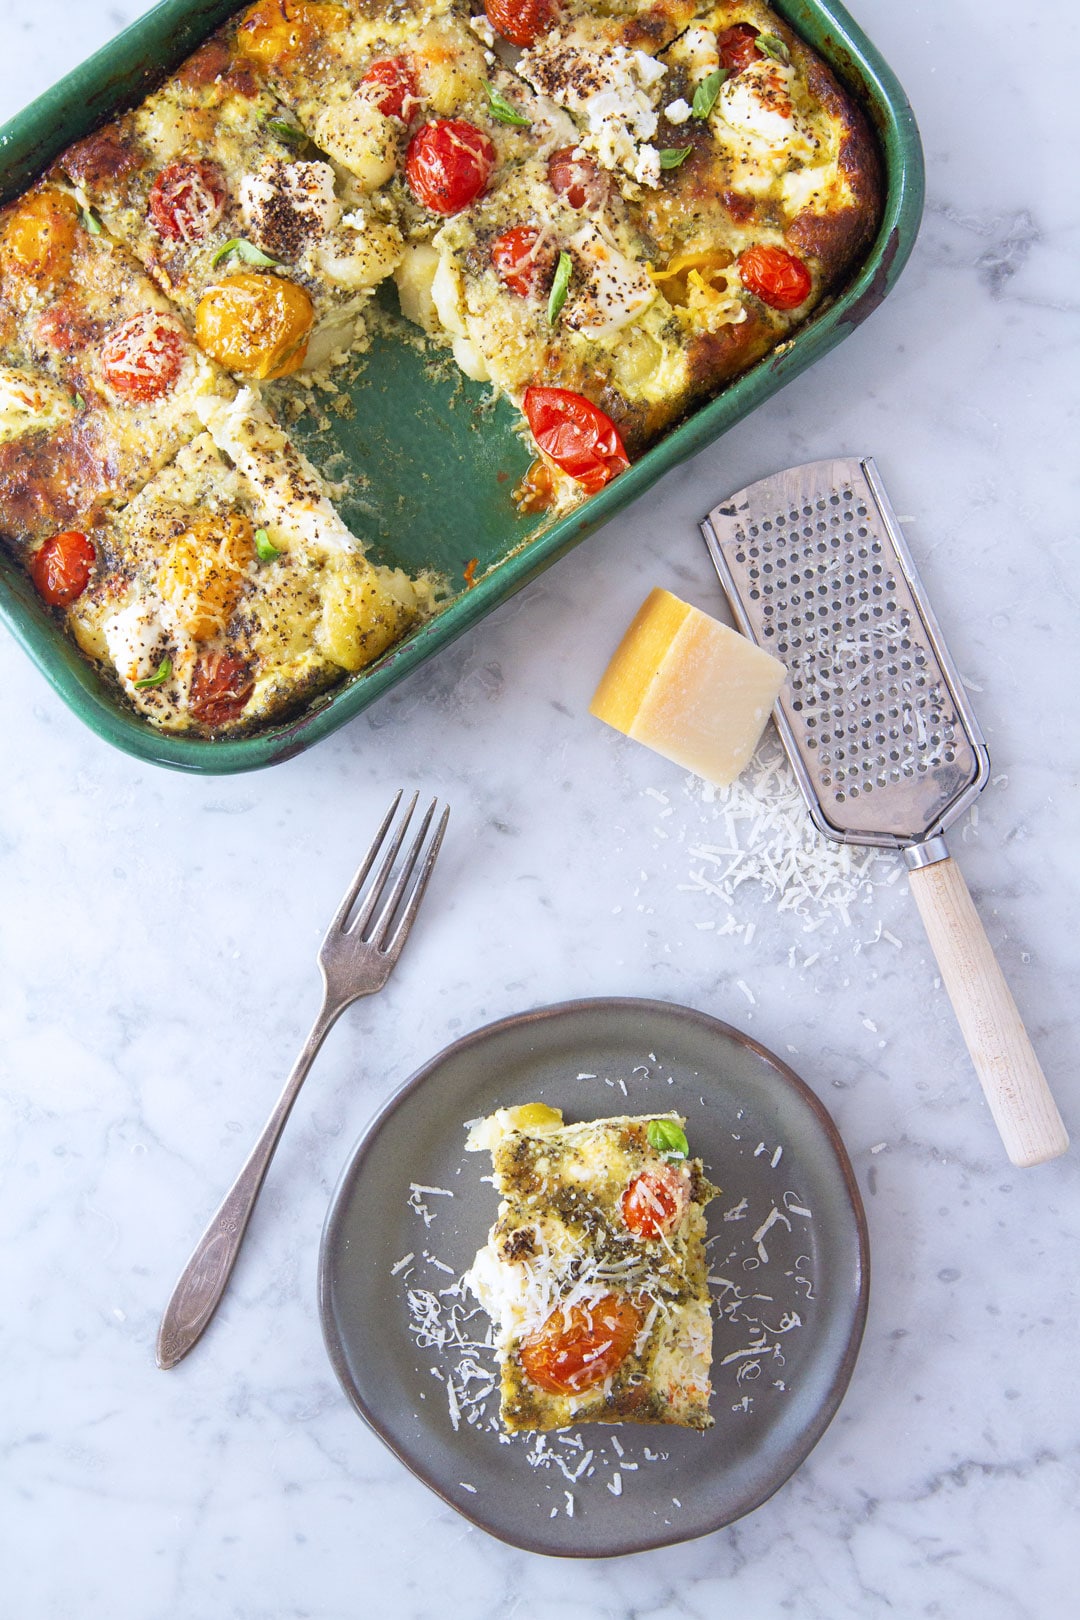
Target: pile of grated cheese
755, 841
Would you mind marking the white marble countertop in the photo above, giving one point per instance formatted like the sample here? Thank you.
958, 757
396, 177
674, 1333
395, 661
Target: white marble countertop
156, 977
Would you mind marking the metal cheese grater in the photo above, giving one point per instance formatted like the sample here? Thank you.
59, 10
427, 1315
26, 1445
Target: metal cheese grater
879, 731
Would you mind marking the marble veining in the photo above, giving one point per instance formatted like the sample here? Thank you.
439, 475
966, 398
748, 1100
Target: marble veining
157, 944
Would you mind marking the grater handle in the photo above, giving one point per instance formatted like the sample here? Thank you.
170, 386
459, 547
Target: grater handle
1024, 1110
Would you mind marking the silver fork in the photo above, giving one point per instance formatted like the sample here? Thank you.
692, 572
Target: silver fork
356, 959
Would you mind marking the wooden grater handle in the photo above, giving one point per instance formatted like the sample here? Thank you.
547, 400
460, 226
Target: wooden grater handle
1024, 1111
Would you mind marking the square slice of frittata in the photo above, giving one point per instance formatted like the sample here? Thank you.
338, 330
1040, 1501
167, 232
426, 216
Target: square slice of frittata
594, 1272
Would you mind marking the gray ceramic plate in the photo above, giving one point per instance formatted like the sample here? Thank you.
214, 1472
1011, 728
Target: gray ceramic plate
789, 1268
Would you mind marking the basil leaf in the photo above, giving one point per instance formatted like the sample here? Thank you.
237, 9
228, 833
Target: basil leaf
706, 93
500, 109
90, 222
288, 133
244, 250
78, 402
672, 156
773, 47
560, 287
159, 677
267, 552
668, 1138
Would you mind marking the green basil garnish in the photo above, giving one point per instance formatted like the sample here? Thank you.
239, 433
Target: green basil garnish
78, 402
706, 93
773, 47
244, 250
672, 156
288, 133
668, 1138
159, 677
501, 109
90, 222
266, 551
560, 287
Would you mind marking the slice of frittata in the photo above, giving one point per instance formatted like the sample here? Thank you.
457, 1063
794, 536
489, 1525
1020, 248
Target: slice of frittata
594, 1272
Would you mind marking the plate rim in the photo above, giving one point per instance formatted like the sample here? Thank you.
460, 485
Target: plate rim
551, 1013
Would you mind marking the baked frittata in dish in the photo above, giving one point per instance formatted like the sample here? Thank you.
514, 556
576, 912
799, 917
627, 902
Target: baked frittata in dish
606, 209
594, 1272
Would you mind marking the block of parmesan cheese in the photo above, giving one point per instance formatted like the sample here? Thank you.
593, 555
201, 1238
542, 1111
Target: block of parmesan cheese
690, 688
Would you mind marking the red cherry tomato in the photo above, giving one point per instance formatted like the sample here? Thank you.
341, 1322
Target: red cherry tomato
187, 199
654, 1201
61, 568
775, 276
522, 22
576, 436
738, 47
221, 684
577, 180
579, 1348
448, 165
519, 266
143, 356
395, 93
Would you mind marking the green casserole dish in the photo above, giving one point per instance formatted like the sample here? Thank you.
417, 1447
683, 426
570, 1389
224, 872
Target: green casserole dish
431, 458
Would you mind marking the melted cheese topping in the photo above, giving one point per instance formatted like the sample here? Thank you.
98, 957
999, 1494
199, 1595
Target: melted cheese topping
29, 403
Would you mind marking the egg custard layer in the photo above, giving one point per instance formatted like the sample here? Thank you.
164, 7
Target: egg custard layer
594, 1272
606, 209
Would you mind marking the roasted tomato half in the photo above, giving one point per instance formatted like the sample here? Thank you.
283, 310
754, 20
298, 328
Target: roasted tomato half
448, 165
142, 358
221, 685
522, 22
577, 1349
394, 87
523, 266
62, 566
274, 31
187, 200
775, 276
738, 46
654, 1201
255, 324
576, 435
577, 180
37, 236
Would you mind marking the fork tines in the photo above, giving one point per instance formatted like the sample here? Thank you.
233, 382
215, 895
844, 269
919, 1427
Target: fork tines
374, 922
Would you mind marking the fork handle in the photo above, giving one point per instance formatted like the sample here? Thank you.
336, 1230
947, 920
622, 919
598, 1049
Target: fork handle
203, 1280
1020, 1100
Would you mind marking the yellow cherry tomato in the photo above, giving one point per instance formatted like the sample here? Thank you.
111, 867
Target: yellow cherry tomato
203, 572
255, 324
37, 235
273, 31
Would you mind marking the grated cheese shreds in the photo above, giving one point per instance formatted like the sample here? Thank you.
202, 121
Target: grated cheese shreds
765, 837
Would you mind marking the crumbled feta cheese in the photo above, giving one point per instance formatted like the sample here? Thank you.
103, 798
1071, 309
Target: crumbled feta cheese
757, 103
611, 88
677, 112
483, 29
134, 636
608, 290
